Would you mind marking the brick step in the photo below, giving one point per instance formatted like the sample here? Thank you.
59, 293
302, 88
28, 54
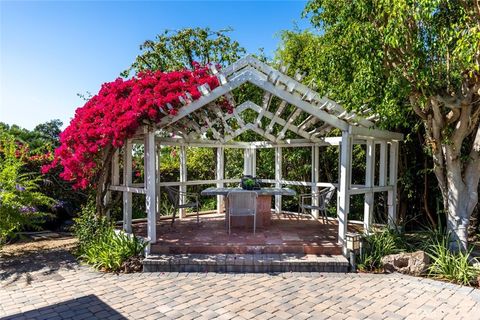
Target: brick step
245, 263
327, 248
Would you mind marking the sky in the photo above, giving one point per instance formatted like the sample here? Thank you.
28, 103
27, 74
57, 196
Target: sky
52, 50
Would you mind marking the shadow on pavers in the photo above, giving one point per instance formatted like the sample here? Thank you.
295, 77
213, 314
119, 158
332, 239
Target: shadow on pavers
87, 307
18, 266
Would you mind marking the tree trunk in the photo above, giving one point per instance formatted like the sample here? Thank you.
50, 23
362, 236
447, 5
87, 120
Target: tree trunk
461, 201
103, 180
452, 126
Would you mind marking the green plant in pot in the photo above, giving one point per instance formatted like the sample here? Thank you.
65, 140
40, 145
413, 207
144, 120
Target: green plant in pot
248, 184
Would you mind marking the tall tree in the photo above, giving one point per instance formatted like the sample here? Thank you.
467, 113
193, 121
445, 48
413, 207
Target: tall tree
382, 53
180, 49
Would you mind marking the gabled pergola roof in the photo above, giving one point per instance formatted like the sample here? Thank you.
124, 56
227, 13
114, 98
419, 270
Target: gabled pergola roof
296, 108
312, 117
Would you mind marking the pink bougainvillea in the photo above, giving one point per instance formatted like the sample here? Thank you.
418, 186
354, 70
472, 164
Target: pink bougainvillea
115, 114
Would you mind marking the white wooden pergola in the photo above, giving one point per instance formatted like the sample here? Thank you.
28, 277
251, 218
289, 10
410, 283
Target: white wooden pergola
203, 123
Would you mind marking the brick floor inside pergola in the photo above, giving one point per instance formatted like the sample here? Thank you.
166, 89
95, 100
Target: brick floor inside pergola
286, 234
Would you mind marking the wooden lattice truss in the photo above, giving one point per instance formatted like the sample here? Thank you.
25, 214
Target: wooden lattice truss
287, 105
286, 114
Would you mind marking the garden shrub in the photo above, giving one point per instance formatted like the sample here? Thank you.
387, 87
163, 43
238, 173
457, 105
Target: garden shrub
21, 202
451, 266
377, 245
98, 243
89, 227
108, 251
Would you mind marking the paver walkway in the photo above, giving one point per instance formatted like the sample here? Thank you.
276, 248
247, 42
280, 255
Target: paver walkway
80, 293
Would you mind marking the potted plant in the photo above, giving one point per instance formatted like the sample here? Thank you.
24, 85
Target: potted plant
248, 183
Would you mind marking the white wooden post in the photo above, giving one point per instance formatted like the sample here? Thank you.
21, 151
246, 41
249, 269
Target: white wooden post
369, 182
220, 176
127, 182
157, 180
278, 177
345, 181
183, 179
392, 181
315, 168
253, 160
382, 182
115, 180
150, 197
115, 169
248, 161
383, 170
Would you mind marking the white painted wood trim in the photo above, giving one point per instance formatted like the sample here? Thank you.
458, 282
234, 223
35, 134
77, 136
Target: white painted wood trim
150, 185
369, 182
197, 182
383, 164
375, 133
219, 174
157, 180
364, 190
278, 177
315, 176
235, 82
345, 181
127, 182
115, 168
324, 141
114, 180
183, 179
255, 78
392, 194
128, 189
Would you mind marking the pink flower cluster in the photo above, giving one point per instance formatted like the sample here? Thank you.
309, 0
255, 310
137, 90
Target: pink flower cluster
115, 114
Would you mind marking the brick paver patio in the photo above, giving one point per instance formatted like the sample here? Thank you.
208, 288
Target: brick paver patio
81, 293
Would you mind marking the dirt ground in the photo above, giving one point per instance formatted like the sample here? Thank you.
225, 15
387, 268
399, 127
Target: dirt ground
43, 255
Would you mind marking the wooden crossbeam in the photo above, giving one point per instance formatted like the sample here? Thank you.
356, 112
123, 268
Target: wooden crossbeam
278, 120
254, 128
320, 130
221, 116
277, 114
293, 84
308, 122
267, 98
210, 125
256, 73
290, 121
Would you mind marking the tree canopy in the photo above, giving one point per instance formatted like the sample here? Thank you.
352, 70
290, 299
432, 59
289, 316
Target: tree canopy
401, 57
180, 49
